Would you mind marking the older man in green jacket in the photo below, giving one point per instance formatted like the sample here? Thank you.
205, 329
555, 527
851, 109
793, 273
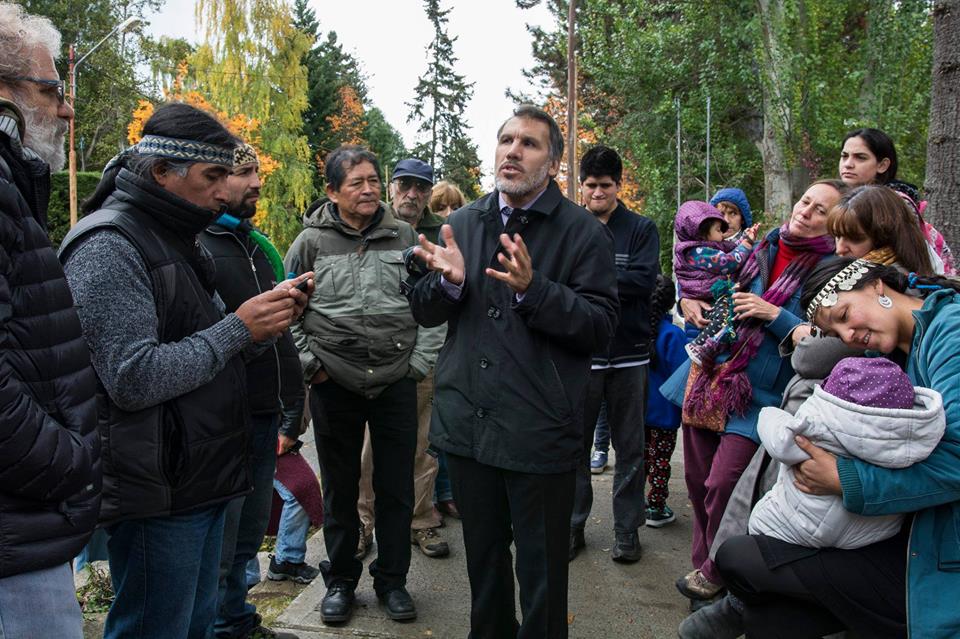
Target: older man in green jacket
363, 354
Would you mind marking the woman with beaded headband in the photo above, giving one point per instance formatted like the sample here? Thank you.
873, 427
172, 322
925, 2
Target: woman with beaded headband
743, 377
906, 585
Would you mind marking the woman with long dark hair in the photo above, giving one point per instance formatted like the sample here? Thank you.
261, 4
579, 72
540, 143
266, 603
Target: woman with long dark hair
906, 585
738, 379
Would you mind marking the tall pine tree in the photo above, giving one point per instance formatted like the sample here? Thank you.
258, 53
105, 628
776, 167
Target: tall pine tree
440, 99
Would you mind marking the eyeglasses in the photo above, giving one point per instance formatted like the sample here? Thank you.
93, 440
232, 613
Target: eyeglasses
407, 183
58, 84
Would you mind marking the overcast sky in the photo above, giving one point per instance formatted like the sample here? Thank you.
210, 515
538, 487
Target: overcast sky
389, 37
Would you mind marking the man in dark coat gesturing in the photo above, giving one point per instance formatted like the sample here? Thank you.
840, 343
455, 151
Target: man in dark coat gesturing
528, 294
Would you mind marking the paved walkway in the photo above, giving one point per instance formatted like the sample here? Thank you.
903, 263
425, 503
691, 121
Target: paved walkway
607, 599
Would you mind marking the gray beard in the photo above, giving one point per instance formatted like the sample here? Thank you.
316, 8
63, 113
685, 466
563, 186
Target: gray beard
44, 136
524, 186
405, 215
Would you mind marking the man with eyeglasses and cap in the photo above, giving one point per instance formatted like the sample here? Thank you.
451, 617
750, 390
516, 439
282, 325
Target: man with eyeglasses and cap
410, 191
50, 478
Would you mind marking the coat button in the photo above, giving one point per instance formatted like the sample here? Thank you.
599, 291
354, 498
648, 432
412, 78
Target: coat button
493, 312
481, 413
370, 371
484, 362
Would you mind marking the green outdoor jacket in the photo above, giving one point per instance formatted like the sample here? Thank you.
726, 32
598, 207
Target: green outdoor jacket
430, 225
358, 326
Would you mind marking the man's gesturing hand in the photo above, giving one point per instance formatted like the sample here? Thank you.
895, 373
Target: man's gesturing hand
446, 260
519, 266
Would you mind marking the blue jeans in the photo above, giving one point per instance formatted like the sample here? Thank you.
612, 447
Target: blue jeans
253, 572
601, 440
42, 603
442, 489
95, 550
244, 526
294, 526
164, 574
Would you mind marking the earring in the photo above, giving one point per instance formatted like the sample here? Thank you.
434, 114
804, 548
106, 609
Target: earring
885, 301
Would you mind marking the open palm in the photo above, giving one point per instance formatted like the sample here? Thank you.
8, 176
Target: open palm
446, 260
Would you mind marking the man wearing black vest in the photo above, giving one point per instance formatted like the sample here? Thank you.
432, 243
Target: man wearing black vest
274, 392
174, 420
49, 449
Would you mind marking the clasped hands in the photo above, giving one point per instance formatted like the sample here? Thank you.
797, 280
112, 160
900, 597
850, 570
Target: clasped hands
448, 260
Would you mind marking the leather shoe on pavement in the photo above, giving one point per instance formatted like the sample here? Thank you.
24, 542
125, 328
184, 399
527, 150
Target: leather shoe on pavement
337, 604
399, 604
577, 542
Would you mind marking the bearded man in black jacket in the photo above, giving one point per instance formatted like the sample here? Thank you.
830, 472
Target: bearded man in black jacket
529, 295
49, 449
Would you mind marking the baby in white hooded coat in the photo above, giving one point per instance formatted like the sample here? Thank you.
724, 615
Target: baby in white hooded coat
868, 409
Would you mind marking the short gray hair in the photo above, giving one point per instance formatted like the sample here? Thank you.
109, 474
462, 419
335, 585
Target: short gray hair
19, 33
532, 112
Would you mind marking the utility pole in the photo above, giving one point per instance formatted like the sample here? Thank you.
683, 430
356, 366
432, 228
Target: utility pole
572, 103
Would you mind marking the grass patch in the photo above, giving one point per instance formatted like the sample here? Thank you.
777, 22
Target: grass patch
97, 594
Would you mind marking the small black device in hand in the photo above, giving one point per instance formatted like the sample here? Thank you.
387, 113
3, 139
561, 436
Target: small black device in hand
302, 286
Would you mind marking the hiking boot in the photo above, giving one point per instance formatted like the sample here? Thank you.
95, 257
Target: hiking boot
720, 620
301, 573
430, 542
262, 632
660, 517
694, 585
363, 546
577, 542
598, 462
627, 549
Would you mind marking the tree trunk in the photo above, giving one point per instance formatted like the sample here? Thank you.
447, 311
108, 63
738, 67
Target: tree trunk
943, 141
777, 192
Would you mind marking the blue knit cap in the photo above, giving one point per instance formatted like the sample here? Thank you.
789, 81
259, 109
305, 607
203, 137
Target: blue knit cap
739, 199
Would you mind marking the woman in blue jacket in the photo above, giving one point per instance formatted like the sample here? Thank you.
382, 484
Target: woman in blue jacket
748, 374
791, 591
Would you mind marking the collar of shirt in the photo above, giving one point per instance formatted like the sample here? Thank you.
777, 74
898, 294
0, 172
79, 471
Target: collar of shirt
506, 210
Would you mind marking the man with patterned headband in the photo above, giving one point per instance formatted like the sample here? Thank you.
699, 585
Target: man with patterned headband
275, 395
173, 415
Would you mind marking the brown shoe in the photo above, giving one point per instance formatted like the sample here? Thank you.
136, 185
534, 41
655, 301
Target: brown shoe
448, 507
430, 542
694, 585
363, 546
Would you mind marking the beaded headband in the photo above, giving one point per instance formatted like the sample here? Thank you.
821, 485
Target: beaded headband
845, 280
187, 150
245, 154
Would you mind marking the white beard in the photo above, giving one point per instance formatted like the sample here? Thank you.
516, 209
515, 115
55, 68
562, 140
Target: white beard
523, 185
44, 136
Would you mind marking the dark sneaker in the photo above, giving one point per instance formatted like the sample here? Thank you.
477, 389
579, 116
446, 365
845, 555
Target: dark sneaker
694, 585
720, 620
598, 462
399, 604
301, 573
577, 542
660, 517
627, 549
337, 604
262, 632
448, 507
363, 546
430, 542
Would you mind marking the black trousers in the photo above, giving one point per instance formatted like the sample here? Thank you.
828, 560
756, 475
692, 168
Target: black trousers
625, 391
818, 595
533, 511
339, 416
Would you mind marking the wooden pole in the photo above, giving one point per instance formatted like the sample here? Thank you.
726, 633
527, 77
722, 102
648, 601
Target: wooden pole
572, 103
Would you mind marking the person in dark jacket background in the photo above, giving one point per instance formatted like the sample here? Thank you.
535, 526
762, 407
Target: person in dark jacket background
173, 416
619, 371
274, 392
49, 449
529, 295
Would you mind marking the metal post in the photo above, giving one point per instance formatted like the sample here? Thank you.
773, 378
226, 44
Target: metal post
571, 103
72, 74
707, 181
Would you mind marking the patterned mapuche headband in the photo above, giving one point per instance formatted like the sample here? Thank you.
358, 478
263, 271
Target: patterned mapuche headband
245, 154
845, 280
187, 150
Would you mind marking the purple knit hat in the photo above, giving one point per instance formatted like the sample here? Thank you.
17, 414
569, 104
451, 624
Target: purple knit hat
870, 381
